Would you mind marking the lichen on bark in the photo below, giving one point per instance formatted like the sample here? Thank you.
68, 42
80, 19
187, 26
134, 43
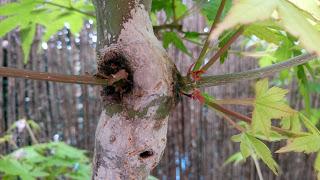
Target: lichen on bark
131, 133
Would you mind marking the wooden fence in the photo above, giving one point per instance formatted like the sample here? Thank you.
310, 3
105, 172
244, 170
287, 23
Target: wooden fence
198, 141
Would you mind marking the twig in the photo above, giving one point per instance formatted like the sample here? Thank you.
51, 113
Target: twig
174, 10
249, 120
245, 102
223, 49
33, 137
231, 122
256, 162
55, 77
208, 40
171, 26
229, 112
207, 81
68, 8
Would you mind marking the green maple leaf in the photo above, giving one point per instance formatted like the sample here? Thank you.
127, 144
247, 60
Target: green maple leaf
286, 13
311, 6
269, 104
307, 144
251, 146
292, 123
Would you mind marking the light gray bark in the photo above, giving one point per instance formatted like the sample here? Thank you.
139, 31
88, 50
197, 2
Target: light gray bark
131, 133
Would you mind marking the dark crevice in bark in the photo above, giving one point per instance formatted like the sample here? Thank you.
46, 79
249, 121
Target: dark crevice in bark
112, 63
146, 154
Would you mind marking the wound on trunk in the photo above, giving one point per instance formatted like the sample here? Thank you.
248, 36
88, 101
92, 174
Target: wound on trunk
112, 63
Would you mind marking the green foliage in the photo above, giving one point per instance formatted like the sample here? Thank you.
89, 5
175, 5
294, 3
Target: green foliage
265, 30
53, 15
173, 38
152, 178
53, 160
223, 39
283, 27
285, 14
269, 104
170, 7
209, 8
292, 123
48, 160
307, 144
251, 146
235, 158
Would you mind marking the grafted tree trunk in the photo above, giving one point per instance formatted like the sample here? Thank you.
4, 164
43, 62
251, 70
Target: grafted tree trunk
131, 133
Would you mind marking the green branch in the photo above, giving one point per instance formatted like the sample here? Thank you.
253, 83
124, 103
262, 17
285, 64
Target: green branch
207, 81
208, 40
222, 50
248, 120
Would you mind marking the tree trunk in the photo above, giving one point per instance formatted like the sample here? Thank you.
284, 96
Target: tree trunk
131, 133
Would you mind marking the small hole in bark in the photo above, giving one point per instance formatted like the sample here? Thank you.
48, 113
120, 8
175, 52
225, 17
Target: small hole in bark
146, 154
112, 63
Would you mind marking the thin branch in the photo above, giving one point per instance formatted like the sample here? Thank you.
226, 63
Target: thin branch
55, 77
68, 8
249, 120
244, 102
223, 49
171, 26
33, 137
208, 40
190, 11
207, 81
256, 162
229, 112
231, 122
174, 10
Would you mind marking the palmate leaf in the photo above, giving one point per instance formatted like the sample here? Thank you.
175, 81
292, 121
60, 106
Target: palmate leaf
268, 104
291, 123
235, 158
309, 143
167, 7
173, 38
250, 145
311, 6
289, 16
27, 34
266, 30
209, 8
27, 14
14, 168
223, 40
308, 124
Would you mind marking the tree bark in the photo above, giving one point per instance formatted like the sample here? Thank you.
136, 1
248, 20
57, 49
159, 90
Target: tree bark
131, 133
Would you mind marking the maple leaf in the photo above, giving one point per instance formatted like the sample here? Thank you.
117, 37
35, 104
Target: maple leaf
269, 104
251, 146
286, 13
307, 144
